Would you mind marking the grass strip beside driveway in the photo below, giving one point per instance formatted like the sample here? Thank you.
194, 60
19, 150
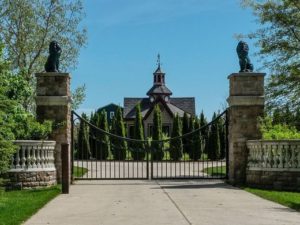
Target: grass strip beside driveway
289, 199
79, 171
17, 206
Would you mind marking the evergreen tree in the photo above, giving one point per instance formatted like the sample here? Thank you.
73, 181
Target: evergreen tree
190, 138
214, 140
92, 134
204, 132
103, 143
138, 151
119, 146
196, 153
222, 137
185, 129
176, 148
83, 151
157, 147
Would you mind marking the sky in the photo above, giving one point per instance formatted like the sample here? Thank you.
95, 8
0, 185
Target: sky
195, 39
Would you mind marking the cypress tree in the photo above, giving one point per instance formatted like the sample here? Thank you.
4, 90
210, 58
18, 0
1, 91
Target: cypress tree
119, 146
185, 129
204, 132
93, 134
176, 148
138, 151
196, 153
103, 143
214, 140
83, 151
157, 147
222, 137
190, 138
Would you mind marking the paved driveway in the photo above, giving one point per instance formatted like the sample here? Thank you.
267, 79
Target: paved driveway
163, 202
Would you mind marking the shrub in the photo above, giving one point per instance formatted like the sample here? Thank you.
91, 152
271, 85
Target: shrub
26, 127
277, 131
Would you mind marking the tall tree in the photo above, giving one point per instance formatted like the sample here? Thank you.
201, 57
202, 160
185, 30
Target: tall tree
176, 148
288, 115
197, 151
138, 148
119, 145
214, 140
7, 107
92, 133
277, 116
28, 26
185, 129
204, 132
103, 143
279, 42
83, 151
297, 119
222, 137
190, 138
157, 147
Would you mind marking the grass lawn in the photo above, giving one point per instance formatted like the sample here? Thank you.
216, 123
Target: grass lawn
215, 171
289, 199
17, 206
79, 171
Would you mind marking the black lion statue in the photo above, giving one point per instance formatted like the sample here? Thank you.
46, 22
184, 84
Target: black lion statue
242, 50
52, 64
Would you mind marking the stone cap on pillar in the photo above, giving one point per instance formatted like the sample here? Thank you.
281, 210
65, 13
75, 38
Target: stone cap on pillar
246, 100
246, 84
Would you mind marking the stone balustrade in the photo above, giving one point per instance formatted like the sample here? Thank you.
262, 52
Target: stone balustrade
280, 155
33, 165
33, 156
274, 164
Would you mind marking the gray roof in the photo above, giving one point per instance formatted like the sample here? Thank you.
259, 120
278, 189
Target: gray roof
159, 89
176, 106
187, 104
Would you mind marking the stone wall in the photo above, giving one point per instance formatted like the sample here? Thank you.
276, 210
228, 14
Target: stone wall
246, 104
31, 179
274, 164
278, 180
53, 102
32, 165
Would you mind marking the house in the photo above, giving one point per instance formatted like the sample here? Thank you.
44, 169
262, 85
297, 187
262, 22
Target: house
159, 94
111, 110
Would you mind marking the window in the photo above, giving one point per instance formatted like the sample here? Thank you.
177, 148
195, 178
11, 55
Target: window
131, 131
166, 130
159, 78
150, 130
111, 114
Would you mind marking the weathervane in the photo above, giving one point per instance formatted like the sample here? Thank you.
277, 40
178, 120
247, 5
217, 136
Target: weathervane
158, 60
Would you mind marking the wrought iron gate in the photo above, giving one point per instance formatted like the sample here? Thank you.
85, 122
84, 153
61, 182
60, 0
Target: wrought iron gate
199, 154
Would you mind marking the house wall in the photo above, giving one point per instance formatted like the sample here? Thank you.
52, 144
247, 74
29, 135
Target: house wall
111, 108
165, 117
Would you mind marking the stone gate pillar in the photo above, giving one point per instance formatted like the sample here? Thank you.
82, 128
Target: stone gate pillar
246, 104
53, 102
